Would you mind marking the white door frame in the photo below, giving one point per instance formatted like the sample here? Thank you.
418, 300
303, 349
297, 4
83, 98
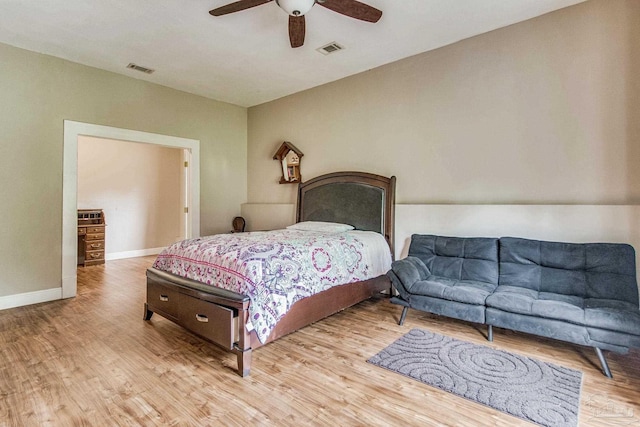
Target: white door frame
185, 194
70, 186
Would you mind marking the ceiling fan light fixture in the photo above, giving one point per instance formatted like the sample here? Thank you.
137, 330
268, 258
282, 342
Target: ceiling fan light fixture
296, 7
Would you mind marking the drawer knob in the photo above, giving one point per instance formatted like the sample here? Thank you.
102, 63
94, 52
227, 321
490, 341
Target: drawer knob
94, 256
164, 298
202, 318
95, 246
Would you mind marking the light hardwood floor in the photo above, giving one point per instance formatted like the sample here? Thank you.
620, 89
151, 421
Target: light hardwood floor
93, 361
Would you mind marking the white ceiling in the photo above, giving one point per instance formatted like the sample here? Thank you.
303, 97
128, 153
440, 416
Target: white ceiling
244, 58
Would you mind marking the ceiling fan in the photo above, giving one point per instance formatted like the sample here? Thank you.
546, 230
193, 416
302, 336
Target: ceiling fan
298, 8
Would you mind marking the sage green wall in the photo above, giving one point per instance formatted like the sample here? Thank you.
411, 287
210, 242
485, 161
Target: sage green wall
542, 112
39, 92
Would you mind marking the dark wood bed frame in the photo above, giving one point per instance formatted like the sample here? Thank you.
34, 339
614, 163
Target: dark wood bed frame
364, 200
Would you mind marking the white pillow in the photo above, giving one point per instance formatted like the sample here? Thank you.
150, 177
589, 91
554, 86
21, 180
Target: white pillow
327, 227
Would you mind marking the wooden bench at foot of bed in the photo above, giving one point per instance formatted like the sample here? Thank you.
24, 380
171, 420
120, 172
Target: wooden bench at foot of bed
221, 316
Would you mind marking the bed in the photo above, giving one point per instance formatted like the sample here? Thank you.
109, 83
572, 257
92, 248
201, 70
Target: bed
209, 308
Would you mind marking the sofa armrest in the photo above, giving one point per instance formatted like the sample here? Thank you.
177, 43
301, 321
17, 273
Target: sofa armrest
406, 272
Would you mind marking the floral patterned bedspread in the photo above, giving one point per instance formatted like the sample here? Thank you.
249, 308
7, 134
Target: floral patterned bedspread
275, 268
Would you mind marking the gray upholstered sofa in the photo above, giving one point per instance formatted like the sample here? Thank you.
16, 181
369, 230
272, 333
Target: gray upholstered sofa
586, 293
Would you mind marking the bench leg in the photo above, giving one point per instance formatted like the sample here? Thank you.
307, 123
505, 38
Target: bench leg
603, 362
403, 315
490, 332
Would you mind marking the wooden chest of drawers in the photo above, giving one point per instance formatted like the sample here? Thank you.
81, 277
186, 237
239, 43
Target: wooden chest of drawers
91, 234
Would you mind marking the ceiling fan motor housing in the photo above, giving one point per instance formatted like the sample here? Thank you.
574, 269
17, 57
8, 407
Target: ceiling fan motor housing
296, 7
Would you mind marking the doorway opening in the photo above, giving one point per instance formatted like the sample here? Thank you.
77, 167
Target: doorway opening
140, 189
74, 130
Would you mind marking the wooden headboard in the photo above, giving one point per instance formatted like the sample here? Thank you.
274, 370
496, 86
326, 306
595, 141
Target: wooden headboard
363, 200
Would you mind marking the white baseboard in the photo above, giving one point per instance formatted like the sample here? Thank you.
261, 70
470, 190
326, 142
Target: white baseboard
132, 254
28, 298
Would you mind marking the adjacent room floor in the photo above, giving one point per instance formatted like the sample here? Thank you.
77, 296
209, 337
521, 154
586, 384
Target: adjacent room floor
93, 361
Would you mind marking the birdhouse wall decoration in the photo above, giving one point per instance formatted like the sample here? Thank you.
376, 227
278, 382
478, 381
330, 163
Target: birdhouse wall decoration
289, 157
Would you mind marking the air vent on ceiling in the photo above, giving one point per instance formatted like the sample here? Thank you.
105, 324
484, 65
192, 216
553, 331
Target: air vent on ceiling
140, 68
330, 48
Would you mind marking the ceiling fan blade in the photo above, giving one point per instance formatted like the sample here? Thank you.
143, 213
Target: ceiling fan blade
353, 8
296, 30
237, 6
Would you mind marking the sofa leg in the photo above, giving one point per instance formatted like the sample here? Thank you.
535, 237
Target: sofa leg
603, 362
490, 332
403, 315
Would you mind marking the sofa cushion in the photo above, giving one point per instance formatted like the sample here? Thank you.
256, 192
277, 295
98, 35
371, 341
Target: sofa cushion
594, 312
465, 291
549, 305
458, 258
587, 270
613, 315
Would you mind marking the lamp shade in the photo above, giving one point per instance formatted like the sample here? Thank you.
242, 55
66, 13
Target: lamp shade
296, 7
